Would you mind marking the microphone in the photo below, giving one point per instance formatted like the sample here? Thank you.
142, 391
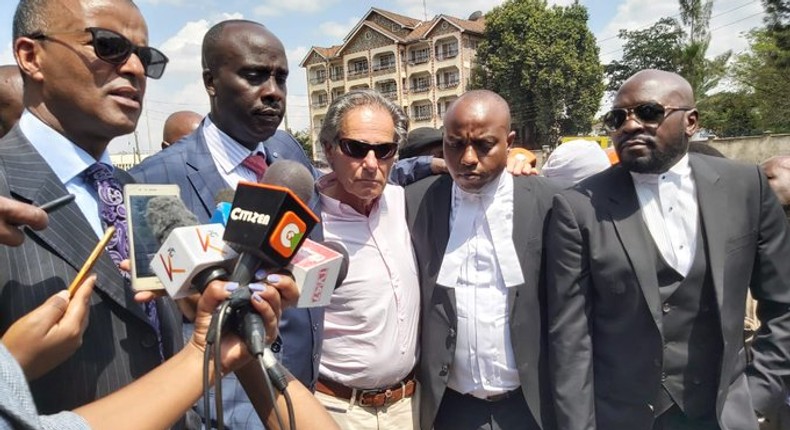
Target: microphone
268, 222
190, 255
316, 266
223, 201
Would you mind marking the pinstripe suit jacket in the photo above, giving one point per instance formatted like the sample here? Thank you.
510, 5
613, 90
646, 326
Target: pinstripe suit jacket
119, 344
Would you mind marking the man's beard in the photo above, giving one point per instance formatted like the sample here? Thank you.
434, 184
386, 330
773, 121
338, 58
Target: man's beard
657, 161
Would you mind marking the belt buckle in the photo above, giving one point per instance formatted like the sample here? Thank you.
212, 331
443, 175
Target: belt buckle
362, 397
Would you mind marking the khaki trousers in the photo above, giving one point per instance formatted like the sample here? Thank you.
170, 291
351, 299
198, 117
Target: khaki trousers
401, 415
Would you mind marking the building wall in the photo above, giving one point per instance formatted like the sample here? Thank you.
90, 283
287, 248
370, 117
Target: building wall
753, 149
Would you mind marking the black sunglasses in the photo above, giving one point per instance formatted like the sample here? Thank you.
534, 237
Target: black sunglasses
359, 149
114, 48
651, 113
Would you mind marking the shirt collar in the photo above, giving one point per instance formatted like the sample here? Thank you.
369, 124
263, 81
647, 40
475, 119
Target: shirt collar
65, 158
679, 171
501, 186
226, 151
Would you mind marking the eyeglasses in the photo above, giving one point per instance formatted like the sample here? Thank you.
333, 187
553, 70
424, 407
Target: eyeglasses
359, 149
114, 48
652, 113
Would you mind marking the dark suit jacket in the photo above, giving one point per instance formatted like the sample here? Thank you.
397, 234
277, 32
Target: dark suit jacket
428, 205
189, 164
119, 344
605, 317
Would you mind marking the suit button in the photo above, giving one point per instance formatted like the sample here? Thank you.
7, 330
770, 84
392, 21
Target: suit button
666, 308
148, 341
652, 409
445, 369
663, 377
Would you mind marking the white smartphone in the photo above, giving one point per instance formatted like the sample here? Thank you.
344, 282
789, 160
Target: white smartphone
142, 243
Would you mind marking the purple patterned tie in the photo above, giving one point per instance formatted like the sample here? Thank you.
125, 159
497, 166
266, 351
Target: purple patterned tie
113, 212
256, 163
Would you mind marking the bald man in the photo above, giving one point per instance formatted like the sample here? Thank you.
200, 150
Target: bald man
477, 235
10, 97
178, 125
648, 268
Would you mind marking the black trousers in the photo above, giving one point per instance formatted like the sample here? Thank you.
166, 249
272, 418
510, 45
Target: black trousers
464, 412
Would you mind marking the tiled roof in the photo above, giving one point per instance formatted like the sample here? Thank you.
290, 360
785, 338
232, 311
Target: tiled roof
400, 19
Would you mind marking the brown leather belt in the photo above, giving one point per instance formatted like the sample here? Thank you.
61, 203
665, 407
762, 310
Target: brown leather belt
370, 398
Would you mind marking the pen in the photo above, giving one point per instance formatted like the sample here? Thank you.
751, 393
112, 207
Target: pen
58, 203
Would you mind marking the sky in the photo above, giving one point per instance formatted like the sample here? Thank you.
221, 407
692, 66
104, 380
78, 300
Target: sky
177, 28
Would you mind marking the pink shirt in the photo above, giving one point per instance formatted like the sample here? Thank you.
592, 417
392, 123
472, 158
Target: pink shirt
370, 326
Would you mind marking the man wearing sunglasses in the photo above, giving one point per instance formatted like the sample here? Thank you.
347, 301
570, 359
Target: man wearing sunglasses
84, 67
649, 263
477, 235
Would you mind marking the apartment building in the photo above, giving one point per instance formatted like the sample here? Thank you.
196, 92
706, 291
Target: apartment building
421, 65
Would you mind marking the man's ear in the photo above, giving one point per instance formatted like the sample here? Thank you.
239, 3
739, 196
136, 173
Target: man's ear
27, 53
692, 122
511, 137
208, 83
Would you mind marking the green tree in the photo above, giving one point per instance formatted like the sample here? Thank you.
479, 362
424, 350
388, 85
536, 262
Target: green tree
728, 114
304, 139
702, 73
759, 73
778, 26
544, 61
656, 47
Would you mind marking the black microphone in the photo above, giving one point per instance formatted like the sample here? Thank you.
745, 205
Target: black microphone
268, 223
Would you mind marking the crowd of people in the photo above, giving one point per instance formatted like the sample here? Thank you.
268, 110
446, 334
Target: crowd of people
599, 294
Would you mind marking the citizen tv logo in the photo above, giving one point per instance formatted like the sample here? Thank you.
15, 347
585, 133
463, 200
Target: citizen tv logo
288, 234
252, 217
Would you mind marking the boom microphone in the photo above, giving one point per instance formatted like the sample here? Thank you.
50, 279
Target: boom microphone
165, 213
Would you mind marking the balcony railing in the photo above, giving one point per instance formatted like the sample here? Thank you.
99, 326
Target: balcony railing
318, 79
320, 104
420, 88
419, 59
452, 83
390, 94
447, 54
422, 116
384, 67
336, 76
357, 73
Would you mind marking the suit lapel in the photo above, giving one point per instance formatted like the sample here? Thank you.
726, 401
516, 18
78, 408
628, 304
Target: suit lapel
626, 215
528, 229
438, 228
69, 235
204, 176
712, 202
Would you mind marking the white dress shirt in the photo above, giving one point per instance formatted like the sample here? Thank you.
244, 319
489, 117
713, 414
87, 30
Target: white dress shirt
480, 263
670, 211
229, 154
371, 323
68, 161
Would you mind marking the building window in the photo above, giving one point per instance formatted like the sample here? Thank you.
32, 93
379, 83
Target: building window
358, 67
447, 50
419, 56
385, 62
420, 84
421, 112
319, 76
447, 79
336, 73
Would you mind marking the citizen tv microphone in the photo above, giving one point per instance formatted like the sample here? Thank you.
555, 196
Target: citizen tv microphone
268, 222
190, 255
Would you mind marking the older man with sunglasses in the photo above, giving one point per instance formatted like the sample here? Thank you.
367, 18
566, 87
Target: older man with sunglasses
84, 66
649, 263
370, 328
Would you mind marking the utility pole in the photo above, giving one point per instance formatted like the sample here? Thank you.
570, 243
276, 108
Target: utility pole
424, 10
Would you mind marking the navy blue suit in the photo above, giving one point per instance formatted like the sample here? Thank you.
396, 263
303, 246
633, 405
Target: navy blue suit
189, 165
